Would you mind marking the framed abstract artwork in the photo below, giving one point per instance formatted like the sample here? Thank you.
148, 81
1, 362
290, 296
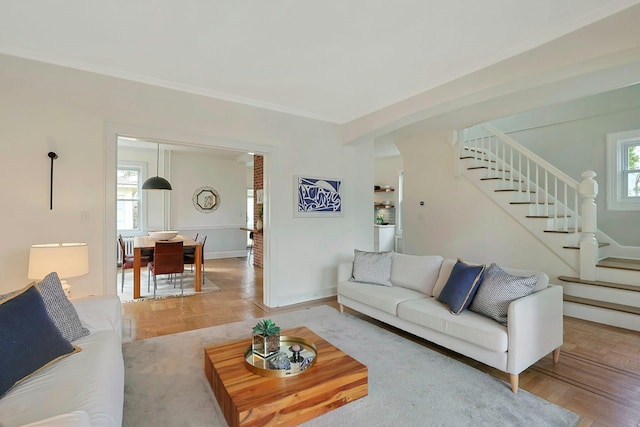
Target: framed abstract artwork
317, 197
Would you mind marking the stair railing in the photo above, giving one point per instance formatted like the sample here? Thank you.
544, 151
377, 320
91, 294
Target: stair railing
551, 193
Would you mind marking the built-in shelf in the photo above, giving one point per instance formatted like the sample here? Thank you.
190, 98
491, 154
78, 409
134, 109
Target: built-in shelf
380, 206
384, 190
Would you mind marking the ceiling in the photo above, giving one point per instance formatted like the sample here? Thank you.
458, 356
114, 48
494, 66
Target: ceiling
332, 60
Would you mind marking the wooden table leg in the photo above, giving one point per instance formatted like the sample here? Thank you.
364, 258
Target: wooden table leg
198, 278
137, 252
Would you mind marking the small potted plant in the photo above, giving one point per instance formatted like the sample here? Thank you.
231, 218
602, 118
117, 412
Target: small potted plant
379, 219
266, 338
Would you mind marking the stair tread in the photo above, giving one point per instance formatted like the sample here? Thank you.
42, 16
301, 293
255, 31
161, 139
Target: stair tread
620, 263
486, 167
611, 285
513, 190
476, 158
600, 244
568, 230
495, 178
548, 216
529, 203
602, 304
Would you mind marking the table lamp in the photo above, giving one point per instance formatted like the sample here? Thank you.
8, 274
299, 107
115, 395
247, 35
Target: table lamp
66, 259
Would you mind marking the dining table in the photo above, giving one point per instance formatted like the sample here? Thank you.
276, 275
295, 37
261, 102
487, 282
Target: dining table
147, 242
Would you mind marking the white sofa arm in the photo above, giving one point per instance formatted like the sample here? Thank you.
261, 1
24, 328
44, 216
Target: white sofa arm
345, 271
98, 313
535, 328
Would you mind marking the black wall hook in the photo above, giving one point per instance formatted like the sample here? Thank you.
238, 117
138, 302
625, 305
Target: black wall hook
52, 156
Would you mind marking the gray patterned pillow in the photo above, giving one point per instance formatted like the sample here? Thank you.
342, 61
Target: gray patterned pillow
372, 267
498, 290
60, 309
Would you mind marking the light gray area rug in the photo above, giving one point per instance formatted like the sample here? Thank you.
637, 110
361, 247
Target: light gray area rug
165, 289
409, 385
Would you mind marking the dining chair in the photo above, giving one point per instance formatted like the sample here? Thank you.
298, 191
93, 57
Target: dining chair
191, 258
146, 257
167, 259
190, 253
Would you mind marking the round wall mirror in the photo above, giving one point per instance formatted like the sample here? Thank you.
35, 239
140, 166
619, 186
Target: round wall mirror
206, 199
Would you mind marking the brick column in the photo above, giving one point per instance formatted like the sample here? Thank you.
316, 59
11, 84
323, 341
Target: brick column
258, 241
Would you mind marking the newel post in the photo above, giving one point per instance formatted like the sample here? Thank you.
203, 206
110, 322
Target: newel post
588, 243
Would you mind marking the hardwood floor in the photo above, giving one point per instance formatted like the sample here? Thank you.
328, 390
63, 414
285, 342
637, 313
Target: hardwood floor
598, 375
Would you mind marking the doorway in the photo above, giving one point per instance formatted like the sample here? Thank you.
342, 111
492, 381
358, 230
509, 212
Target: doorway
114, 157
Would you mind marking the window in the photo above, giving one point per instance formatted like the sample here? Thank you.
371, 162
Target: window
623, 170
129, 198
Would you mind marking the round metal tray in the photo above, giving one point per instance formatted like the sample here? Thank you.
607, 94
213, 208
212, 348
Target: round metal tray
260, 366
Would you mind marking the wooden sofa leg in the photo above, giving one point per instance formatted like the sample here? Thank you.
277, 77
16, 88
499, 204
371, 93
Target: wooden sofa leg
341, 308
514, 382
556, 355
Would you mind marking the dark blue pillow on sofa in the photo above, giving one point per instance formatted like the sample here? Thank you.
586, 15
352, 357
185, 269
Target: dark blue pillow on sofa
29, 340
461, 286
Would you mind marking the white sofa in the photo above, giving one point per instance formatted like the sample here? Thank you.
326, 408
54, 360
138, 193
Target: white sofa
534, 326
84, 389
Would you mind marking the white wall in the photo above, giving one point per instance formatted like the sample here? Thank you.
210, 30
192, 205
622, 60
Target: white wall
457, 220
190, 171
77, 114
308, 240
572, 137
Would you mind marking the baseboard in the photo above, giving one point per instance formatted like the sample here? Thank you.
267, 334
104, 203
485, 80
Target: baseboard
227, 254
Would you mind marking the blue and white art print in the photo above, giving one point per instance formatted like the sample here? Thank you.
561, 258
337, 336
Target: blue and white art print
319, 197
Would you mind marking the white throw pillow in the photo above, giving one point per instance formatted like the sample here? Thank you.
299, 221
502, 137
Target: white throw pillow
372, 267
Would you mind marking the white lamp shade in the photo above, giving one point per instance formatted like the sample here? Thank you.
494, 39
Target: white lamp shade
66, 259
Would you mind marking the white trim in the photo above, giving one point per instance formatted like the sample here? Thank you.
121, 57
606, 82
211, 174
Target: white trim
615, 201
225, 254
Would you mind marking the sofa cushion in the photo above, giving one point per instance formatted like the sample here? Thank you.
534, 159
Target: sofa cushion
60, 309
416, 272
381, 297
29, 340
72, 419
372, 267
461, 286
443, 276
467, 326
91, 381
497, 290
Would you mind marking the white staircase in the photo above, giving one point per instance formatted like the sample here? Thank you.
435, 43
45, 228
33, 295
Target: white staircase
561, 213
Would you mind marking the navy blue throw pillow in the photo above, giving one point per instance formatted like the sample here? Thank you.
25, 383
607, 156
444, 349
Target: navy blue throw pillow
29, 340
461, 286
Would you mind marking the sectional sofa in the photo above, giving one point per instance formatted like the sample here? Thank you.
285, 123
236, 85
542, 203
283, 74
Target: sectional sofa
82, 388
408, 299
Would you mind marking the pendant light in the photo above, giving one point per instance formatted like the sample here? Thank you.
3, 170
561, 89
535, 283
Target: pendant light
156, 182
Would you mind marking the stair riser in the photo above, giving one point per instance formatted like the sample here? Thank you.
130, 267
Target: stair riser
542, 210
600, 293
602, 315
616, 275
561, 223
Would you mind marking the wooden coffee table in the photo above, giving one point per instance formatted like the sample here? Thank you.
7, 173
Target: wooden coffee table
247, 399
